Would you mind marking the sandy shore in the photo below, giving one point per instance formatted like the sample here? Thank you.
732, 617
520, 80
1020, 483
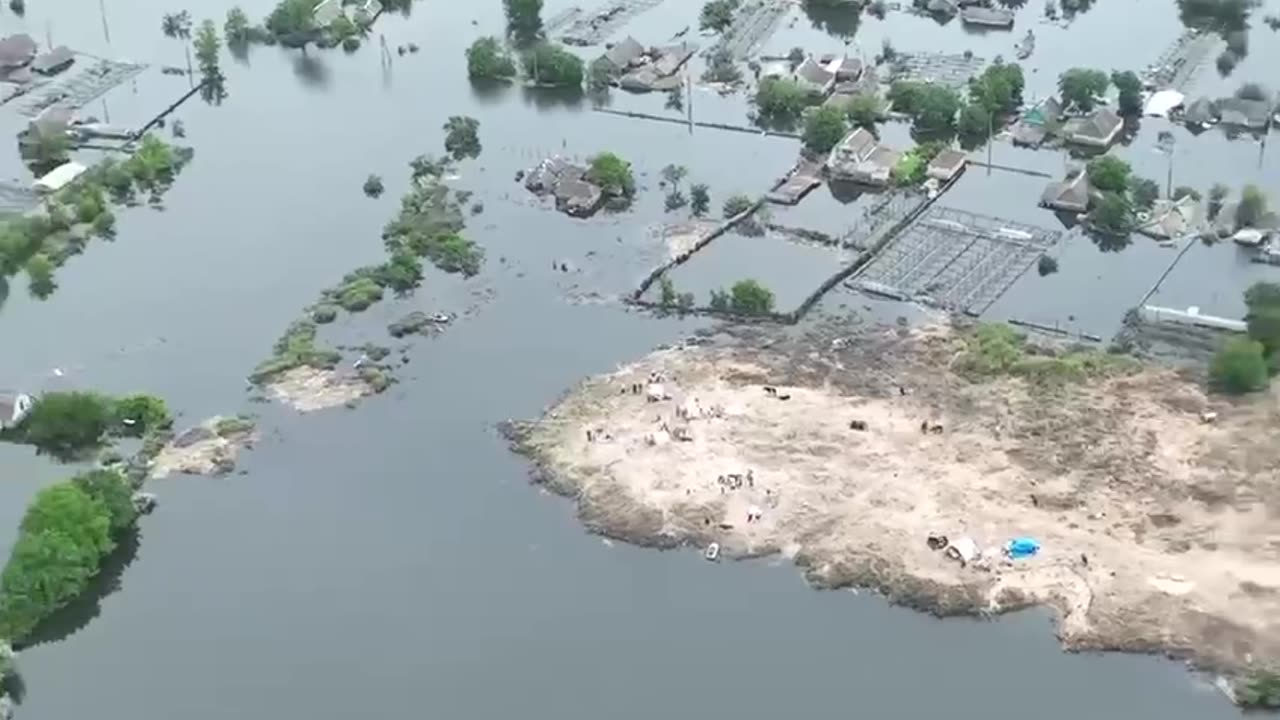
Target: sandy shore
1159, 532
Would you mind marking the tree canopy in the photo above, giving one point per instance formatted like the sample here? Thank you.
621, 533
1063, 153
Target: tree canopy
487, 59
524, 19
749, 297
699, 199
782, 100
1143, 192
998, 88
1130, 87
1109, 173
932, 107
1081, 87
823, 128
1239, 367
612, 174
551, 65
292, 19
1252, 207
718, 14
462, 139
864, 111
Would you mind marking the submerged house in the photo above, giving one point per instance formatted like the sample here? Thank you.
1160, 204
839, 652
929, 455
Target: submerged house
619, 58
986, 16
567, 183
812, 75
14, 408
1170, 219
1068, 195
1099, 129
54, 61
860, 158
1244, 113
1037, 123
946, 165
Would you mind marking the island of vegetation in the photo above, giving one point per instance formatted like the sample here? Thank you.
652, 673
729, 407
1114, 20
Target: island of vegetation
858, 454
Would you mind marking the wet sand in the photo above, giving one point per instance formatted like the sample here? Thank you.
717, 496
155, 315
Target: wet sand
1159, 531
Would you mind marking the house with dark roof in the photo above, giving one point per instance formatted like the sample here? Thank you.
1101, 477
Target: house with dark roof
1069, 195
1244, 113
16, 51
946, 165
986, 16
1098, 129
54, 61
814, 76
849, 70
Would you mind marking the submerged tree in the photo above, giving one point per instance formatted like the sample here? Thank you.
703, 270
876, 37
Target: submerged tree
237, 28
207, 48
718, 14
178, 26
823, 128
524, 19
1081, 87
699, 199
487, 59
462, 138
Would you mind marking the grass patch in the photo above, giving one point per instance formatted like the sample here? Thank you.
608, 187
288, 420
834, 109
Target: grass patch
235, 425
296, 348
995, 350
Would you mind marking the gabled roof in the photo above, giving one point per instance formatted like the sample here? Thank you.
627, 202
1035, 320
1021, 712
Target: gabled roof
1253, 114
1073, 192
857, 143
811, 71
1102, 124
949, 159
53, 60
624, 52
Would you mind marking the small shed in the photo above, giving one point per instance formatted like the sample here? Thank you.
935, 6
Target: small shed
60, 177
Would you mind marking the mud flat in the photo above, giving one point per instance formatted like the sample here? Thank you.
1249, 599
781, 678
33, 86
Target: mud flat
210, 448
1159, 531
307, 389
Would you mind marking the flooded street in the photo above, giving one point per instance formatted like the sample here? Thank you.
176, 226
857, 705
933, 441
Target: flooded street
392, 560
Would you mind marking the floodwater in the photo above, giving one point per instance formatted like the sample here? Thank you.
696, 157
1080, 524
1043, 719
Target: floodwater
392, 561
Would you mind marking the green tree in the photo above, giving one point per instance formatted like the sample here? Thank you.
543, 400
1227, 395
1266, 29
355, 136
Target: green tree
749, 297
1080, 87
782, 100
112, 490
1109, 173
998, 88
612, 174
823, 128
699, 199
673, 174
47, 150
667, 292
932, 107
462, 137
40, 280
293, 21
524, 19
553, 66
736, 205
237, 28
720, 300
214, 89
137, 415
1217, 194
864, 111
974, 122
1252, 207
402, 272
487, 59
1130, 87
721, 68
1263, 317
373, 186
718, 14
1239, 367
67, 424
1143, 193
1112, 214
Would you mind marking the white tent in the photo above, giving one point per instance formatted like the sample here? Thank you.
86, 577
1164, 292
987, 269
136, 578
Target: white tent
1161, 103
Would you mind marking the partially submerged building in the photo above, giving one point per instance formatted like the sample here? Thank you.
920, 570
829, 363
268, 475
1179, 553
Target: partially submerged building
986, 16
60, 177
558, 177
653, 69
1068, 195
54, 61
946, 165
1037, 123
1169, 219
1245, 114
860, 158
619, 58
1099, 129
814, 76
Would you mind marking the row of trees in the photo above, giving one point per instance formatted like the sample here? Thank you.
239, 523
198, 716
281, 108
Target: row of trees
1246, 364
65, 534
938, 110
543, 63
71, 425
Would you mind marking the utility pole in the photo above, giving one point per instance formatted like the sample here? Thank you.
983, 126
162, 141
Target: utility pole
991, 122
106, 31
688, 89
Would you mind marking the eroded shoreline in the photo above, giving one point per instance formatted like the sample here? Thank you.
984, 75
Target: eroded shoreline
1154, 524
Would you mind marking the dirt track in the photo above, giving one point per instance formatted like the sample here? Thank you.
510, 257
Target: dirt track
1159, 532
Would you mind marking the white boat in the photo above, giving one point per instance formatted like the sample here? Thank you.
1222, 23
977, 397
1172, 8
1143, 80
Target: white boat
712, 552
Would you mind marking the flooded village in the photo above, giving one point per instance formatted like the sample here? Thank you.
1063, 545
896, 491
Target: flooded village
963, 307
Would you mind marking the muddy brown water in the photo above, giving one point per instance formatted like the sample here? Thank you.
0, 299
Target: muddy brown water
391, 561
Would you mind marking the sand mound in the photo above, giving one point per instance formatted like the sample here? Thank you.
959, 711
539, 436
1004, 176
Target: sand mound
308, 389
1159, 532
210, 448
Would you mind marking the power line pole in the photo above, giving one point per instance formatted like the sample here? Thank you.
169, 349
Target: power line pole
688, 88
106, 31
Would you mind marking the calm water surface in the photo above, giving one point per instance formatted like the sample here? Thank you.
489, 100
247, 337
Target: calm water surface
392, 561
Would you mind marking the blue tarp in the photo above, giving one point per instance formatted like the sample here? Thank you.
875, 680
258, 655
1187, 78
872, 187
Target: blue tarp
1022, 547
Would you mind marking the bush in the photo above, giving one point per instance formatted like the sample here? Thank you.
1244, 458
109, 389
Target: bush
65, 534
612, 174
749, 297
736, 205
995, 349
295, 348
487, 59
1260, 688
136, 415
67, 424
1239, 367
358, 294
